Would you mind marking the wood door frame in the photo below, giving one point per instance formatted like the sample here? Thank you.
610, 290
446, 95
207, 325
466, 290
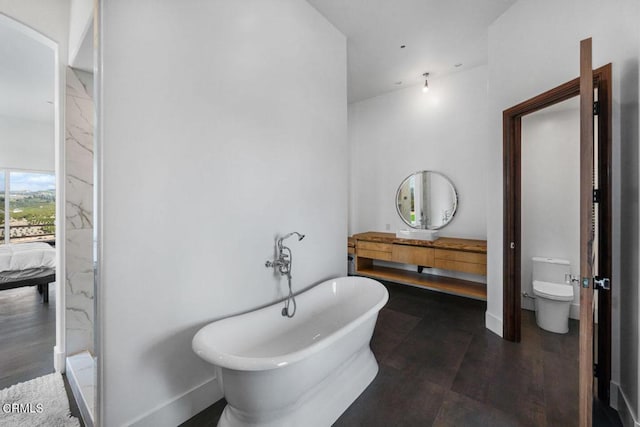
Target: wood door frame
512, 123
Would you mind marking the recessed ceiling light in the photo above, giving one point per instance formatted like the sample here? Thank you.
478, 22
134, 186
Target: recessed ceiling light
458, 65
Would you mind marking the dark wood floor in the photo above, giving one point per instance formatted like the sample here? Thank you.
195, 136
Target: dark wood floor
440, 366
27, 335
27, 338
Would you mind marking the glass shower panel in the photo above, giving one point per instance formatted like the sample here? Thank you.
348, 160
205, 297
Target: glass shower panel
2, 202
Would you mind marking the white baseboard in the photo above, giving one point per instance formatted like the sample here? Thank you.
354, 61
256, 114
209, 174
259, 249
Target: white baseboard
493, 323
59, 360
620, 402
574, 311
182, 407
613, 395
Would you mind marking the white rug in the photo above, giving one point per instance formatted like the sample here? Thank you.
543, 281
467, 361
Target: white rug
39, 402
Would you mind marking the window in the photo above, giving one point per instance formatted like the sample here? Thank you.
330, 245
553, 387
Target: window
28, 206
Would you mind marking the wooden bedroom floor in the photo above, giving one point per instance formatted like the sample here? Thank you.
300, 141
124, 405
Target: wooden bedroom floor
439, 366
27, 338
27, 335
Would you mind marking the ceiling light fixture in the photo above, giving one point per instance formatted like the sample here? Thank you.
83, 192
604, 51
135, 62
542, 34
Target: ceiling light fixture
425, 88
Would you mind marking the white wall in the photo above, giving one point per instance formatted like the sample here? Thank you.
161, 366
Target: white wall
634, 307
395, 134
533, 47
26, 144
627, 343
224, 125
80, 26
50, 18
550, 185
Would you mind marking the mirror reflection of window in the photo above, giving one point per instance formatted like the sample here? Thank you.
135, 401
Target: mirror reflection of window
426, 200
405, 201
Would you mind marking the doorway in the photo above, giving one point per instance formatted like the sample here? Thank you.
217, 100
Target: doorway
512, 155
32, 211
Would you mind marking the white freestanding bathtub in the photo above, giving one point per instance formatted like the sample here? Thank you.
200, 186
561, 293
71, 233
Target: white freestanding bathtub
303, 371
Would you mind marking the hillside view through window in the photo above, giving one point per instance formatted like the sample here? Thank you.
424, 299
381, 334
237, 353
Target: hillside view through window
31, 208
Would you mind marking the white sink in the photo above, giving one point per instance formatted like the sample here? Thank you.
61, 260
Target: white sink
417, 234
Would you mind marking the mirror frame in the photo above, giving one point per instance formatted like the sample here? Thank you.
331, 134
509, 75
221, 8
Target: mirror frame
455, 204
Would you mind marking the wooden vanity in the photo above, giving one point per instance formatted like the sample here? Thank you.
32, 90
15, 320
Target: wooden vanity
447, 253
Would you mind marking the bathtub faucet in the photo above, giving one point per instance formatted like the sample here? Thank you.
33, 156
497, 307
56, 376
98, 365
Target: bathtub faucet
283, 255
283, 262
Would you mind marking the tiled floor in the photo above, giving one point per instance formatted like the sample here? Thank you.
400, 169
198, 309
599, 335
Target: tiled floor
439, 366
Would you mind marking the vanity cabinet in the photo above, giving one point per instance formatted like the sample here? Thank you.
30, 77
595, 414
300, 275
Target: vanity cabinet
407, 254
374, 250
447, 253
467, 262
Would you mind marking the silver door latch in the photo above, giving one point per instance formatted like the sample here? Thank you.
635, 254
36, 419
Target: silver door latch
601, 283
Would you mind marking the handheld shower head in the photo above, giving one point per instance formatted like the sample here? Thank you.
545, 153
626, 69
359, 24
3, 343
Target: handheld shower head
286, 236
300, 236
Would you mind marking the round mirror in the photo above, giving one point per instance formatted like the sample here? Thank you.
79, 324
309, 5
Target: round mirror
427, 200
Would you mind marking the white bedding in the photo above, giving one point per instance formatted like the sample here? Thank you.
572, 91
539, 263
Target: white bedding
24, 256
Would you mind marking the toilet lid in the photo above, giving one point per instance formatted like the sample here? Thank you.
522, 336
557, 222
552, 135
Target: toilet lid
554, 291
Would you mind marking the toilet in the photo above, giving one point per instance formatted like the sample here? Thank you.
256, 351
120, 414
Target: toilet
553, 295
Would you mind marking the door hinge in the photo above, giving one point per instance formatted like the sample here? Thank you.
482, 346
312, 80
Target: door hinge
596, 370
596, 108
596, 195
601, 283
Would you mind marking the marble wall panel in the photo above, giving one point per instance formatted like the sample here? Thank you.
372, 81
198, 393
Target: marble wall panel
79, 216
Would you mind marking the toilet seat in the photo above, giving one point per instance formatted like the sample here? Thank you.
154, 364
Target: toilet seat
553, 291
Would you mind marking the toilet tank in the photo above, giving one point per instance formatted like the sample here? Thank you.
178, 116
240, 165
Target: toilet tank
550, 269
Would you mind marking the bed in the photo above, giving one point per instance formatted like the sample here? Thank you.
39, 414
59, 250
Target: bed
27, 264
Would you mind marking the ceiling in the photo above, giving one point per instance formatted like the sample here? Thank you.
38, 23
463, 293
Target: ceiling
437, 34
27, 76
